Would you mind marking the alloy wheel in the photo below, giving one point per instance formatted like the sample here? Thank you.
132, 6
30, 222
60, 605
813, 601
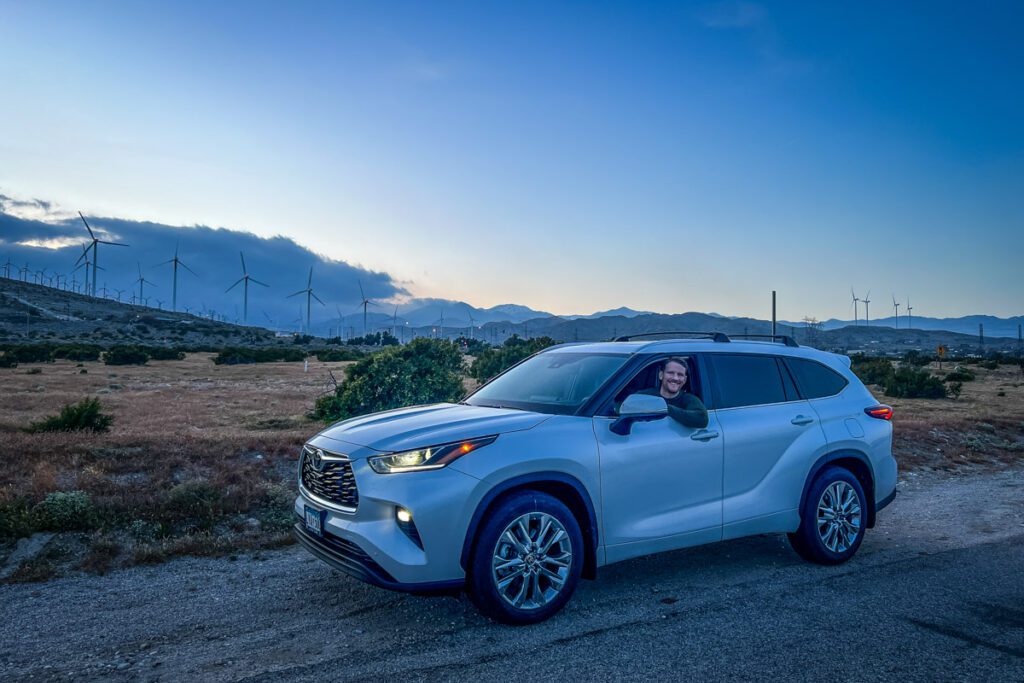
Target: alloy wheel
531, 561
839, 516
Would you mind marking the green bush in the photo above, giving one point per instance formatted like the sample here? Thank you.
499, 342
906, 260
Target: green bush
423, 371
472, 346
375, 339
16, 519
123, 354
6, 362
196, 502
85, 415
493, 361
872, 370
960, 375
243, 356
954, 390
77, 352
916, 358
913, 383
29, 353
338, 355
66, 511
989, 364
164, 353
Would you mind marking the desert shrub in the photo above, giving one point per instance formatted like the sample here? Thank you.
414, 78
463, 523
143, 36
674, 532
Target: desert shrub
241, 356
954, 389
423, 371
472, 346
278, 513
495, 360
77, 352
66, 511
16, 519
302, 339
86, 415
29, 353
165, 353
916, 358
872, 370
375, 339
123, 354
337, 355
913, 383
198, 502
960, 374
989, 364
34, 371
103, 550
7, 362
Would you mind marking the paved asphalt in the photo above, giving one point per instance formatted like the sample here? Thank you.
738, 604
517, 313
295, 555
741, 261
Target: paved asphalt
935, 594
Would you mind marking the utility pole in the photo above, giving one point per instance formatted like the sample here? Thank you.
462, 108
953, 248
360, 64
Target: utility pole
981, 336
773, 312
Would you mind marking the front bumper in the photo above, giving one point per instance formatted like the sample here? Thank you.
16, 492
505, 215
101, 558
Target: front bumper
368, 542
354, 561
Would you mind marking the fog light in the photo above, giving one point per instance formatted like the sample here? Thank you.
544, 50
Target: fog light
404, 516
404, 520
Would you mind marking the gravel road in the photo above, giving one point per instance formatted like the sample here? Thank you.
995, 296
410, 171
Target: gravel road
935, 593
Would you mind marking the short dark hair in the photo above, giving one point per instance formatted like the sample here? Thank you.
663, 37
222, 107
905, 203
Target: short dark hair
676, 359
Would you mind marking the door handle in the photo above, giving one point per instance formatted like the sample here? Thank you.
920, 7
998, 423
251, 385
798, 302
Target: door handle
704, 435
801, 420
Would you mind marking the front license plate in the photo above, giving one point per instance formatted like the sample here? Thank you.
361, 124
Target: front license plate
314, 521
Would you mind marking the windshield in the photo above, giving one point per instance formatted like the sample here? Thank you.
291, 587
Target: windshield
556, 383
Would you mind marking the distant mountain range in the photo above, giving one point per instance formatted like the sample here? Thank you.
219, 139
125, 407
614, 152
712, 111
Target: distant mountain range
968, 324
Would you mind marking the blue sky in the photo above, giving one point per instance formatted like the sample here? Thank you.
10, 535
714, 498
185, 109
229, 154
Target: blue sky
571, 157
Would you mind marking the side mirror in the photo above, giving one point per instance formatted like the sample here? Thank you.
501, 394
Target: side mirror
636, 408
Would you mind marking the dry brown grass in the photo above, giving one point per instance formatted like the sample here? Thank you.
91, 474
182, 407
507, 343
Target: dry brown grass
238, 428
981, 428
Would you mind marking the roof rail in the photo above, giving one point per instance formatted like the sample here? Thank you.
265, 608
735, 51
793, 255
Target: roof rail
782, 338
720, 337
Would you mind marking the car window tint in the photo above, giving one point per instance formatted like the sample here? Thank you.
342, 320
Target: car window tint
815, 380
748, 380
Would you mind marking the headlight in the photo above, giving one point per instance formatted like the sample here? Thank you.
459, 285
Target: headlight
432, 458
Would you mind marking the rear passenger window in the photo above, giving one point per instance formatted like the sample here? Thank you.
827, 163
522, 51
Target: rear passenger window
747, 380
815, 380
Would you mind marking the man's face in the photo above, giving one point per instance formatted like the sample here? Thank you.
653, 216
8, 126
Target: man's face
673, 377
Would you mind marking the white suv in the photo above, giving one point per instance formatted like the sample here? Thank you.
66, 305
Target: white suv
569, 461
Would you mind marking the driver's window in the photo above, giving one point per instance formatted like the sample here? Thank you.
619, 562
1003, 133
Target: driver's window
647, 379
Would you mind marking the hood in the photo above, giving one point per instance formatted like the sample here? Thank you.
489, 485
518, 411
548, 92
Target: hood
420, 426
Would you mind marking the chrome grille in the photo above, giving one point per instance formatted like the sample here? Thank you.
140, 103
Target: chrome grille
333, 483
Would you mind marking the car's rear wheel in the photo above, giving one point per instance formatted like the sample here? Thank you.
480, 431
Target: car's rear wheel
832, 521
527, 559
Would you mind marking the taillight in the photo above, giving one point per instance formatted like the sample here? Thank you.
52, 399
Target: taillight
879, 412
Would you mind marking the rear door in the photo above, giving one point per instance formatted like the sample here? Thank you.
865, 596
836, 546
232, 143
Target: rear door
769, 433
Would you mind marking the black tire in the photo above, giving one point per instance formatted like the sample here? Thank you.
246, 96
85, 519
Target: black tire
807, 541
481, 584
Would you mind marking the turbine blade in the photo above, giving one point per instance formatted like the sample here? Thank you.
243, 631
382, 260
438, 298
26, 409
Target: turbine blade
86, 225
252, 279
234, 285
301, 291
242, 256
116, 244
310, 282
317, 298
188, 269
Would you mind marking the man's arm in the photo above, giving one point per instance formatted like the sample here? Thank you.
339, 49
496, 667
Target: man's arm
692, 413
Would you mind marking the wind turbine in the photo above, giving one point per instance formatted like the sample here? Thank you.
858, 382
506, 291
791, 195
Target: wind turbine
867, 300
174, 287
95, 242
896, 305
472, 326
910, 320
142, 281
308, 291
119, 293
855, 307
245, 287
7, 269
364, 303
394, 323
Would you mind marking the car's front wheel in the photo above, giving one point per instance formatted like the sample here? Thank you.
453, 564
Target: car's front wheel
832, 521
527, 559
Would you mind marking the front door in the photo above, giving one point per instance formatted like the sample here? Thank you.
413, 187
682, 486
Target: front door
661, 486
